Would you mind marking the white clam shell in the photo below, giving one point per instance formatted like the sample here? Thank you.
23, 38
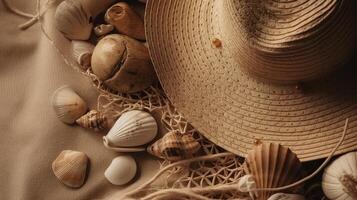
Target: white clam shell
70, 168
74, 20
339, 181
82, 51
121, 170
133, 128
68, 105
282, 196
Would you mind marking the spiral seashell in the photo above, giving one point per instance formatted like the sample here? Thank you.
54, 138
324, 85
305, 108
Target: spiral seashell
68, 105
123, 64
132, 129
73, 20
174, 146
125, 20
93, 120
121, 170
272, 165
70, 168
82, 51
103, 29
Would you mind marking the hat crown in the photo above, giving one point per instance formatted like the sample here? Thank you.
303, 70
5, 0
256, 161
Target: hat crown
288, 41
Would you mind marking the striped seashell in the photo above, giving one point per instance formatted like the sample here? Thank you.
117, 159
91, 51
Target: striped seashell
272, 165
70, 168
93, 120
174, 146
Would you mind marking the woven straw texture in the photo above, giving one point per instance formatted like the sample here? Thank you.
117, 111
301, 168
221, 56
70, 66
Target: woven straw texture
227, 93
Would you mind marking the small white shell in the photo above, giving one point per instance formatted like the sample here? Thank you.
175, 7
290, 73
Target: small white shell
339, 181
82, 51
103, 29
132, 129
282, 196
121, 170
247, 184
70, 168
68, 105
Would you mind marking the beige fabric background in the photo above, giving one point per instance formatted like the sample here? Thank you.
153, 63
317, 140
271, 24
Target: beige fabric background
31, 135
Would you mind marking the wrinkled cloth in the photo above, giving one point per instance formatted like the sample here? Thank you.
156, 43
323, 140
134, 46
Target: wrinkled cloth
31, 135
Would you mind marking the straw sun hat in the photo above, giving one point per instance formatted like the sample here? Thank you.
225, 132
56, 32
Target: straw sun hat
247, 70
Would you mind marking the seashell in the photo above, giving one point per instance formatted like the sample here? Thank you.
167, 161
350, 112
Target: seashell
339, 181
93, 120
272, 165
125, 20
70, 168
73, 20
68, 105
121, 170
247, 184
132, 129
95, 7
282, 196
123, 64
82, 51
174, 146
103, 29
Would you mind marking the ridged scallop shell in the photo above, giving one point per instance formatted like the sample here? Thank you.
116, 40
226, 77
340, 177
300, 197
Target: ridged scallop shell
283, 196
82, 51
70, 168
93, 120
103, 29
121, 170
272, 165
132, 129
74, 20
174, 146
125, 20
68, 105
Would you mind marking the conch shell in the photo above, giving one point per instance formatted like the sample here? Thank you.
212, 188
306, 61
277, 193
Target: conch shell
68, 105
70, 168
103, 29
123, 64
272, 165
125, 20
174, 146
94, 120
132, 129
82, 51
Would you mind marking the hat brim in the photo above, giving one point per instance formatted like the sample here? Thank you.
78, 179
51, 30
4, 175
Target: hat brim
231, 108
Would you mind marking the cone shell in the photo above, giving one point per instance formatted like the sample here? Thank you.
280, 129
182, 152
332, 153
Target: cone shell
73, 20
93, 120
70, 168
82, 51
68, 105
272, 165
174, 146
125, 20
121, 170
132, 129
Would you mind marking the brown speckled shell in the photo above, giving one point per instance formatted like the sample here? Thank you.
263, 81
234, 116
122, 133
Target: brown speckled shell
93, 120
272, 165
174, 146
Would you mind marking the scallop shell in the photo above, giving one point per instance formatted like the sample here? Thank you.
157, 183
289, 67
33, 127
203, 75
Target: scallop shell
93, 120
283, 196
174, 146
103, 29
125, 20
70, 168
272, 165
123, 64
121, 170
82, 51
133, 128
73, 20
68, 105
